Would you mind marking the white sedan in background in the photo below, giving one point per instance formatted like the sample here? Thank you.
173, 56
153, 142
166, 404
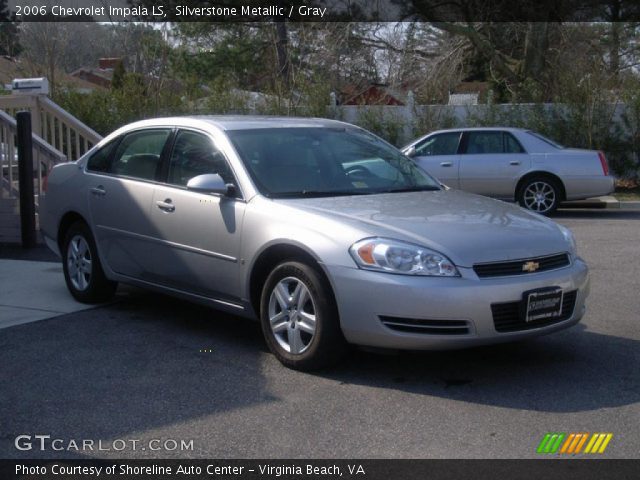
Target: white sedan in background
512, 164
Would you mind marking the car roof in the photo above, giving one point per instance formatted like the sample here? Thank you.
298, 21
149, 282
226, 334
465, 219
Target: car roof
242, 122
465, 129
483, 129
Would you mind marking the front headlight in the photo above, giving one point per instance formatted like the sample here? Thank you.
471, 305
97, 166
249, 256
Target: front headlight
394, 256
571, 240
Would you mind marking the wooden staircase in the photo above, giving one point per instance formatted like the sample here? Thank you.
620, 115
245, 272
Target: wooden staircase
9, 220
58, 137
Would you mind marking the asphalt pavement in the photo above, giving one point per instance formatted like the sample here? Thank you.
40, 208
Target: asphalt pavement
149, 367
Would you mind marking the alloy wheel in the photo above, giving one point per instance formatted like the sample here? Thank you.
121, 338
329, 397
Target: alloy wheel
79, 262
292, 315
539, 196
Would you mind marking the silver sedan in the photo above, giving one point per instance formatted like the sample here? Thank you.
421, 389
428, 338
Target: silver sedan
322, 231
512, 164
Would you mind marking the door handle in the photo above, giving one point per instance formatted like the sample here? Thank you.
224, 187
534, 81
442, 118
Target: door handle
514, 162
166, 206
446, 164
99, 191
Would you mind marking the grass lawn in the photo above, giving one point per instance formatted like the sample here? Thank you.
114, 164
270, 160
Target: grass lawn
627, 190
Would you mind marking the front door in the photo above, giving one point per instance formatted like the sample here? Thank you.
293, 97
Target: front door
437, 155
198, 235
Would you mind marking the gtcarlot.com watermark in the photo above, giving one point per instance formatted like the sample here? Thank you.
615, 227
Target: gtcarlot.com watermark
47, 442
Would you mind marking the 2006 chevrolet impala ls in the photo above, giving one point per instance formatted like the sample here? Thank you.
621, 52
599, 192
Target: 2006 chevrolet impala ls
327, 234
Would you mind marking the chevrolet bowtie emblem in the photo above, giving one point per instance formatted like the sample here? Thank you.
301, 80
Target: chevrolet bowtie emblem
530, 267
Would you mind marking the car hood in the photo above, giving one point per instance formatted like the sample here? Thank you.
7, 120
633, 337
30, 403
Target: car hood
467, 228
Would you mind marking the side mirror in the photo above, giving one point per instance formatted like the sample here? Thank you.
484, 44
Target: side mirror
211, 183
410, 152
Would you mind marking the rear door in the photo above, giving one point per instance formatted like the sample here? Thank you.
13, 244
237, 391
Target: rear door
197, 243
121, 179
438, 155
491, 162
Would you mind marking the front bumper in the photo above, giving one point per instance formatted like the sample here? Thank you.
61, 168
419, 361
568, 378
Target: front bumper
365, 296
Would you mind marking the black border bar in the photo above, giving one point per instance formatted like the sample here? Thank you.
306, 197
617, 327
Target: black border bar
547, 469
326, 10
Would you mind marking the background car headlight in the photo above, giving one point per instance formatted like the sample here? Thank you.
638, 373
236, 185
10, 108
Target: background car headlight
571, 240
395, 256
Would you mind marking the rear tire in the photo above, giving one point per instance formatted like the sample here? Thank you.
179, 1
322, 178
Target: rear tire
299, 318
540, 194
83, 272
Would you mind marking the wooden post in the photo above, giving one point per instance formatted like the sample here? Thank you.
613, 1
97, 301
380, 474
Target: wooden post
25, 180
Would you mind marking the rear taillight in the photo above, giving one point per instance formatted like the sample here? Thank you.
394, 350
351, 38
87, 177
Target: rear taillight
603, 162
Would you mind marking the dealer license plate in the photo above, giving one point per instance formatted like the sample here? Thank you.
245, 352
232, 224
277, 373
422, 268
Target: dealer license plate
544, 304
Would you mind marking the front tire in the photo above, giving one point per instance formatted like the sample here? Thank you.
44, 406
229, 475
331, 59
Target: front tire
540, 194
299, 318
83, 272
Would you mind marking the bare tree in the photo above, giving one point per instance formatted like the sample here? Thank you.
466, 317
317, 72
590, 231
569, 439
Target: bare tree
44, 47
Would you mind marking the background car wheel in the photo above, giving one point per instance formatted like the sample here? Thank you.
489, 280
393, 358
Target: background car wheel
299, 318
82, 269
540, 195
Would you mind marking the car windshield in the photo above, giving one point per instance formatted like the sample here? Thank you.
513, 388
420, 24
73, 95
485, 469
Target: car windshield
320, 161
545, 139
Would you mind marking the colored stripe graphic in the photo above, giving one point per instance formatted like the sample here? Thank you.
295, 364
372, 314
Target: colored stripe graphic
598, 443
581, 443
578, 442
605, 442
572, 443
551, 442
591, 442
567, 442
557, 443
547, 448
543, 443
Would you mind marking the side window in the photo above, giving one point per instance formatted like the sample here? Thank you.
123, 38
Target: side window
99, 161
441, 144
511, 145
484, 142
194, 154
138, 154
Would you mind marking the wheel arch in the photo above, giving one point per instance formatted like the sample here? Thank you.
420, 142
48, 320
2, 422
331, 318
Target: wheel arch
66, 221
271, 256
543, 174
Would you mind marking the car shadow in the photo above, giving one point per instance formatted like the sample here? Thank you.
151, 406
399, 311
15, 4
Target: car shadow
605, 214
149, 362
138, 364
576, 370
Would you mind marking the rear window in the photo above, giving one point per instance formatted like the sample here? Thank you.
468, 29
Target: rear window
492, 142
484, 142
511, 145
545, 139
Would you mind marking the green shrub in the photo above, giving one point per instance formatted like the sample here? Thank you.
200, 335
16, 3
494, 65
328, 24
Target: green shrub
390, 126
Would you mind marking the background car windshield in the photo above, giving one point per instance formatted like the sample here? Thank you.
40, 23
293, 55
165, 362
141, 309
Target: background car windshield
290, 162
